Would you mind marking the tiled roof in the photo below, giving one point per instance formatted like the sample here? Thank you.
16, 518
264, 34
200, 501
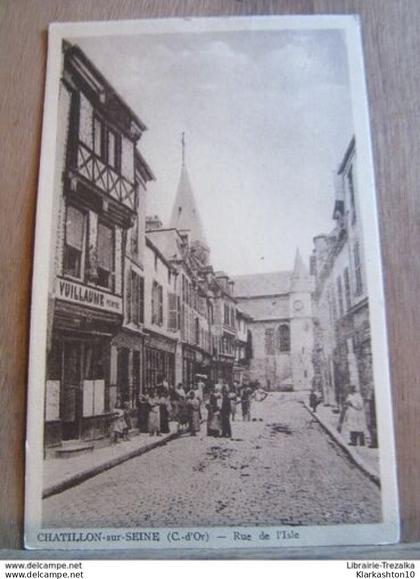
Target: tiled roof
262, 284
270, 308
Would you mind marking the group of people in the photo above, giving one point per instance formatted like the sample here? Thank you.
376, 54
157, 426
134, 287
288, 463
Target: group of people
156, 407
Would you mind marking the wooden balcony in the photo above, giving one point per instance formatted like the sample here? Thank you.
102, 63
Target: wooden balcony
104, 179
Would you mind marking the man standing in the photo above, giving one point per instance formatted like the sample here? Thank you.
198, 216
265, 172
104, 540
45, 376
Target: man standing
225, 414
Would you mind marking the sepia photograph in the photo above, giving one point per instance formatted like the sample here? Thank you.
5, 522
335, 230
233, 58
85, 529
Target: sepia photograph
209, 361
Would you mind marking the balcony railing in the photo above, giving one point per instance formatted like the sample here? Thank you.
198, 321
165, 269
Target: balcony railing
104, 177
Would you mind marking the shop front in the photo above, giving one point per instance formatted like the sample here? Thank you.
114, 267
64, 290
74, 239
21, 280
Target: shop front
159, 360
77, 405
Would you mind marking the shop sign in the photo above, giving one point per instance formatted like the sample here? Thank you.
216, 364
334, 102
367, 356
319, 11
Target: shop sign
77, 293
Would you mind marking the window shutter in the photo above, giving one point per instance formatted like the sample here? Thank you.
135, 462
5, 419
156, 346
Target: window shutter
172, 311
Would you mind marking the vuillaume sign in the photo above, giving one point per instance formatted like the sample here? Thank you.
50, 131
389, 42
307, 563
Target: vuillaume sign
77, 293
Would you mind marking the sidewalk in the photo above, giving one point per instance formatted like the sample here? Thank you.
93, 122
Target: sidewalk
61, 474
365, 458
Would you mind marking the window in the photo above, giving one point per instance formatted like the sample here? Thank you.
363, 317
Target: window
350, 179
226, 314
172, 311
134, 237
347, 292
135, 299
283, 337
269, 341
197, 331
178, 303
74, 246
340, 296
357, 268
157, 304
105, 256
106, 144
98, 132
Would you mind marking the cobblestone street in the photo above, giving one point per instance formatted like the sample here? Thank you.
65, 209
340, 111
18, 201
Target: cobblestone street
283, 470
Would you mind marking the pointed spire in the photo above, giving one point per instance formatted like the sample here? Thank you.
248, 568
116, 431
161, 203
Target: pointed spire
185, 214
299, 269
183, 148
301, 280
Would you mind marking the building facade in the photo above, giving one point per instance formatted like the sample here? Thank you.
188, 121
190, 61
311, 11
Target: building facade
342, 352
281, 323
99, 182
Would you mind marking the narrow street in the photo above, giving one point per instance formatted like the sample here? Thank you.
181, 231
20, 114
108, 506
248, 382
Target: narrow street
282, 470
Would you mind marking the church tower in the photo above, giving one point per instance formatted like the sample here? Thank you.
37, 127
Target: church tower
185, 215
301, 325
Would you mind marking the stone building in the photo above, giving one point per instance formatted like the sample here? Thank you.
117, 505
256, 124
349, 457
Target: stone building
342, 353
280, 307
184, 245
99, 181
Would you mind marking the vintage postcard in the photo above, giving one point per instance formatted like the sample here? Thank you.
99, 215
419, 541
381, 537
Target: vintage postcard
208, 357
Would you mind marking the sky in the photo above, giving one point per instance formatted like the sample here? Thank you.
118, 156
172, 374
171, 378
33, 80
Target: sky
267, 119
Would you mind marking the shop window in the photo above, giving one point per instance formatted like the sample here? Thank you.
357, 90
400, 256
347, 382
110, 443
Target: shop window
74, 246
105, 256
136, 377
283, 337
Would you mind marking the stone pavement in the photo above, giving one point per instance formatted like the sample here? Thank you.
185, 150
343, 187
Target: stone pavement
283, 469
63, 473
367, 459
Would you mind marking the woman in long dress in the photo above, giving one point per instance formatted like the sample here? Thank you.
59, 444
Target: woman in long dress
154, 414
194, 415
352, 417
214, 426
164, 411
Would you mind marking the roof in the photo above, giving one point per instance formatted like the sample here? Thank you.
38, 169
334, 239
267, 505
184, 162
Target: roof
262, 284
98, 83
266, 308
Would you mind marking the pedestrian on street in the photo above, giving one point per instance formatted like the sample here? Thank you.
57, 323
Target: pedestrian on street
118, 424
214, 426
314, 400
259, 395
246, 404
354, 417
154, 414
143, 412
194, 414
225, 413
164, 410
127, 420
233, 397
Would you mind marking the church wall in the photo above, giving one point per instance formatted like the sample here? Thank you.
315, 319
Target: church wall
271, 370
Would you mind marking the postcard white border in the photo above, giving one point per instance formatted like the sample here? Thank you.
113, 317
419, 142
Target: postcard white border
385, 532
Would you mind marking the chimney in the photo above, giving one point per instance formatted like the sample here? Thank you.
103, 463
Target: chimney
153, 222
